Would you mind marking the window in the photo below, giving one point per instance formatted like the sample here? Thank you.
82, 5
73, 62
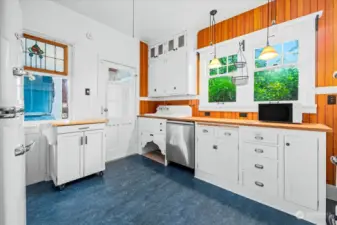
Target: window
46, 98
45, 56
277, 79
220, 85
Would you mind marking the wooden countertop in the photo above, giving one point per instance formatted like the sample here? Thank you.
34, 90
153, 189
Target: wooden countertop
255, 123
78, 122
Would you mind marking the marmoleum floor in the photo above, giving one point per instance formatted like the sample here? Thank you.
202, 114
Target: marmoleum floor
138, 191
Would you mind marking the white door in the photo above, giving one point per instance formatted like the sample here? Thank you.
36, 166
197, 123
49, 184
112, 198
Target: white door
301, 169
228, 157
69, 157
120, 109
93, 157
206, 155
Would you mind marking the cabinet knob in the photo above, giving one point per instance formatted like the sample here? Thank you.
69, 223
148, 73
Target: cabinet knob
215, 147
259, 138
175, 88
155, 89
258, 150
287, 144
227, 134
258, 166
205, 131
259, 184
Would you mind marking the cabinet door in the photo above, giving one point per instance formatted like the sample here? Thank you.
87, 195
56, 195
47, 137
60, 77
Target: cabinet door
301, 170
228, 158
206, 155
69, 150
177, 72
157, 77
93, 158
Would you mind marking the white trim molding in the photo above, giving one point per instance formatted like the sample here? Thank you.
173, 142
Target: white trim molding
326, 90
171, 98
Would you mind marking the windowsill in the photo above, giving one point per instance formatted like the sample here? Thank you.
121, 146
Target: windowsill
248, 108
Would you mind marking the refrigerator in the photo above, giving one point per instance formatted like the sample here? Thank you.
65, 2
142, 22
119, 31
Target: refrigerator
12, 143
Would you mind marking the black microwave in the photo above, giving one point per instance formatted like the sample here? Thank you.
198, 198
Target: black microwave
280, 112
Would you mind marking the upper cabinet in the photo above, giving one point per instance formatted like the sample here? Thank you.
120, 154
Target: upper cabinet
170, 73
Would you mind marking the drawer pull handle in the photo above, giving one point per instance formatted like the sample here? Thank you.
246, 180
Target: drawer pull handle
259, 184
205, 131
227, 134
259, 138
151, 135
258, 150
258, 166
215, 147
83, 128
287, 144
161, 130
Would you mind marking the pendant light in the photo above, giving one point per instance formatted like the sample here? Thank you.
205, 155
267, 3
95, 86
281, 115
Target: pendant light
215, 62
268, 52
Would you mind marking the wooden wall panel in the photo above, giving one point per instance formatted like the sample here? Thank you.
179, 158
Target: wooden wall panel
257, 19
143, 70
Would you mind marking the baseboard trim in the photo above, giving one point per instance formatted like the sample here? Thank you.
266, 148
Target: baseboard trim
331, 192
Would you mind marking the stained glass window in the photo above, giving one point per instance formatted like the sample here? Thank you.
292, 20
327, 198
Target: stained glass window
43, 55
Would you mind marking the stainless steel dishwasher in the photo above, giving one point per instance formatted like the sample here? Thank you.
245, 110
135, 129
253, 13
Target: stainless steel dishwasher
180, 143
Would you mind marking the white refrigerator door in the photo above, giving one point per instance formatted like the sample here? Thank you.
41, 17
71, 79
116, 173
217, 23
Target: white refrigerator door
12, 167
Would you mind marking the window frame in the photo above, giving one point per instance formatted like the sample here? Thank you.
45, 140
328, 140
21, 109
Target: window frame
281, 65
65, 52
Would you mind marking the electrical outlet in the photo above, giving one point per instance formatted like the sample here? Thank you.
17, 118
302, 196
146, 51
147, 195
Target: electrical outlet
331, 99
207, 114
244, 115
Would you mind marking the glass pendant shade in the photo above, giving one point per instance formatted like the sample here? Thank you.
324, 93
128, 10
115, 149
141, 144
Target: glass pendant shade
214, 64
268, 53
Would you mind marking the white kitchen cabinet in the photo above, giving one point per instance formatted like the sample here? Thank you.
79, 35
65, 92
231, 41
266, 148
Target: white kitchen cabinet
207, 155
79, 152
301, 170
69, 150
217, 152
93, 157
282, 168
171, 72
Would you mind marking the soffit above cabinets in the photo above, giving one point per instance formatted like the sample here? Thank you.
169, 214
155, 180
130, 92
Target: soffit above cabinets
158, 19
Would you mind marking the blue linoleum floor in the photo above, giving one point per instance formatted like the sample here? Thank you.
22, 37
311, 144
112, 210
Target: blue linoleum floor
139, 191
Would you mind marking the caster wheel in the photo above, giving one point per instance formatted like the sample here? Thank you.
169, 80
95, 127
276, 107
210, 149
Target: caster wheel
101, 174
61, 187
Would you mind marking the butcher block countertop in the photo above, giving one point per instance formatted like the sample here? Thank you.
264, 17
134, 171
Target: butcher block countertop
78, 122
243, 122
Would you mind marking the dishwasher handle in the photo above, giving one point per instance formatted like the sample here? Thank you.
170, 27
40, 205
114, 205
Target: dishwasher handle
180, 122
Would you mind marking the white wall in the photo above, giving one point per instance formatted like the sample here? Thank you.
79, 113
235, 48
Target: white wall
52, 20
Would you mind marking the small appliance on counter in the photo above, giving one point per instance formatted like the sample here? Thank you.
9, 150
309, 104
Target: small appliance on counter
280, 112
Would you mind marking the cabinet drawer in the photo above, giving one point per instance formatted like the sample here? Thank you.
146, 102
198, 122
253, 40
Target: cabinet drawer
205, 130
260, 136
152, 125
260, 183
266, 167
227, 132
270, 152
79, 128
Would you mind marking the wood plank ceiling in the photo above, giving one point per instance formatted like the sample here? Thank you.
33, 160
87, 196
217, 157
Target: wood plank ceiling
255, 20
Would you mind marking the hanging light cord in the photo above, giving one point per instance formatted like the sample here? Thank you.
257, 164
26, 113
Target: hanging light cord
133, 18
214, 31
268, 24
